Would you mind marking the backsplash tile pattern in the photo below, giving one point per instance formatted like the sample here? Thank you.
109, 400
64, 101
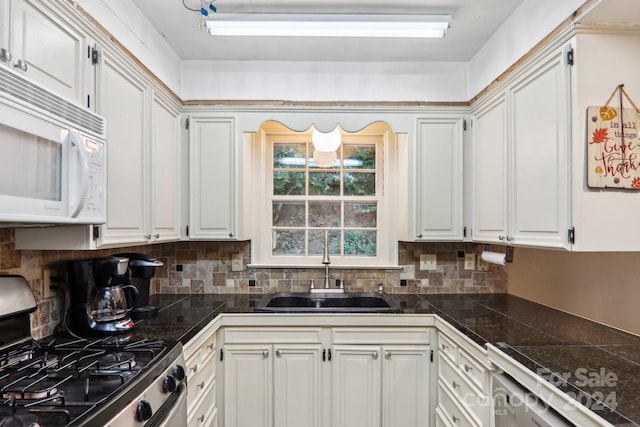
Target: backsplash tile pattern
205, 267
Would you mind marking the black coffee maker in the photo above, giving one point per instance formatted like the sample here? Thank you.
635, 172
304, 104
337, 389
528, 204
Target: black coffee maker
98, 303
142, 268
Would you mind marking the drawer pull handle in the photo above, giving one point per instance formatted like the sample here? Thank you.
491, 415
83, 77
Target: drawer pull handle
445, 347
210, 346
374, 354
201, 385
468, 368
201, 418
387, 354
265, 353
194, 369
455, 385
455, 419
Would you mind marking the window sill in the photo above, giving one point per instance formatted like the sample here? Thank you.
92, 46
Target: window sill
331, 266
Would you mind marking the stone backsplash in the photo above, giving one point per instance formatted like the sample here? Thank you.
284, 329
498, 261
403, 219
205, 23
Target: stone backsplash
205, 267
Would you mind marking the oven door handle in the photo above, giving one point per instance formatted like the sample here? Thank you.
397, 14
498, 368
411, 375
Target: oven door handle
173, 412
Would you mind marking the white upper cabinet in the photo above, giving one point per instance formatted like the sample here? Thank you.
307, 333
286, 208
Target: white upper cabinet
212, 173
438, 176
49, 51
521, 164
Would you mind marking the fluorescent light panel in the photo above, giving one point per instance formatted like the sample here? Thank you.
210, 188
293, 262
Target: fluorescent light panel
323, 25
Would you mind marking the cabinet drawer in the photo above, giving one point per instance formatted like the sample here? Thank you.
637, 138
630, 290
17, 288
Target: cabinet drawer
206, 410
451, 409
448, 348
261, 335
440, 419
401, 336
200, 377
474, 370
468, 395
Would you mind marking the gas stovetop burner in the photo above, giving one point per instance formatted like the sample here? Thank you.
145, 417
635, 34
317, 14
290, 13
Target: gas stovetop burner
116, 362
23, 420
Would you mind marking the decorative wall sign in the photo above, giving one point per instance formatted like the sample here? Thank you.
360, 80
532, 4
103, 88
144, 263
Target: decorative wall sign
613, 145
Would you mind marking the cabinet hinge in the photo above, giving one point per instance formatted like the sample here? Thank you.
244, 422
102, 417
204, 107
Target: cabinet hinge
329, 355
431, 356
221, 354
187, 123
570, 57
186, 231
464, 232
88, 101
464, 124
96, 232
572, 235
94, 56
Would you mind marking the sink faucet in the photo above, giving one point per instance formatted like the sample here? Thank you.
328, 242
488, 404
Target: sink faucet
326, 261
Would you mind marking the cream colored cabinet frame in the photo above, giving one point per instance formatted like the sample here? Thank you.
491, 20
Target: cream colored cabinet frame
438, 206
521, 162
202, 378
45, 47
214, 206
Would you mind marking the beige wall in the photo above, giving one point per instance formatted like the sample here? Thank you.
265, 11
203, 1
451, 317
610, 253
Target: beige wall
604, 287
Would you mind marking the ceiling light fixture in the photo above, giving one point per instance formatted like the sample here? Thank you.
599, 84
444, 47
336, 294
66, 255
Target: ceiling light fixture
328, 25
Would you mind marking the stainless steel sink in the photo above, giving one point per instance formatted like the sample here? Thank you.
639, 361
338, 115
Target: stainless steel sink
327, 303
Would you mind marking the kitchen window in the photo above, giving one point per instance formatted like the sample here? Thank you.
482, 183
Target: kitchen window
346, 199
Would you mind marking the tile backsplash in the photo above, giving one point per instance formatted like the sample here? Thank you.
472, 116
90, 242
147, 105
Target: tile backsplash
205, 267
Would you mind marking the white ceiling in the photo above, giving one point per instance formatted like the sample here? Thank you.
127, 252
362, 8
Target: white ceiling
472, 23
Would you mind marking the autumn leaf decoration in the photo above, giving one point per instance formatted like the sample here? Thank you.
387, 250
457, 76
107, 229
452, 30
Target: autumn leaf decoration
599, 135
635, 184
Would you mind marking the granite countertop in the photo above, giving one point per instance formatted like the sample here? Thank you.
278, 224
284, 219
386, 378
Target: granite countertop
597, 361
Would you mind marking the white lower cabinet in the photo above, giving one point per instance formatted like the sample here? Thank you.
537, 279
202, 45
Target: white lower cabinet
200, 361
270, 380
464, 382
380, 386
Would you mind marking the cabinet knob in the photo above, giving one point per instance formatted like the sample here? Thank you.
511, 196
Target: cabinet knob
5, 55
387, 354
419, 235
147, 236
278, 353
194, 368
21, 65
468, 368
445, 347
455, 385
265, 353
201, 418
509, 238
374, 354
500, 237
156, 236
201, 385
210, 346
231, 234
455, 419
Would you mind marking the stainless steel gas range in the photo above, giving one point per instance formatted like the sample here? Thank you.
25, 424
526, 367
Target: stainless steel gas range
115, 380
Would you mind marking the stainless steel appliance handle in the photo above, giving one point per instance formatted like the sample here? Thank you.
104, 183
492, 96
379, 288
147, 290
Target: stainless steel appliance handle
173, 412
75, 140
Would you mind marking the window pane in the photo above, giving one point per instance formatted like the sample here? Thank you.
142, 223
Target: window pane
324, 184
360, 242
288, 242
359, 156
360, 214
289, 155
359, 184
288, 214
287, 183
316, 242
324, 214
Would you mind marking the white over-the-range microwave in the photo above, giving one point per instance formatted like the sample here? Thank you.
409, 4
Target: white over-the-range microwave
52, 157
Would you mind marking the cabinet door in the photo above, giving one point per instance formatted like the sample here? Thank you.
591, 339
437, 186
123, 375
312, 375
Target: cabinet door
247, 386
212, 178
165, 171
405, 386
490, 173
124, 101
439, 179
540, 205
297, 387
356, 386
52, 51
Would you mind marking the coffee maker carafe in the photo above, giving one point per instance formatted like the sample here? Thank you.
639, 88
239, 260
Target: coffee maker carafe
97, 291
